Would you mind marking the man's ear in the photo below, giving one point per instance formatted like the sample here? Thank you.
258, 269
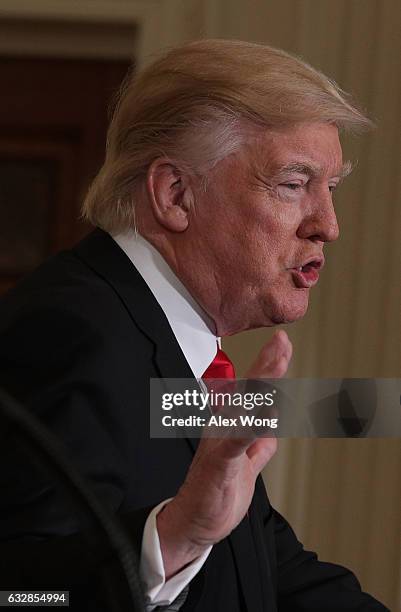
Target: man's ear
170, 194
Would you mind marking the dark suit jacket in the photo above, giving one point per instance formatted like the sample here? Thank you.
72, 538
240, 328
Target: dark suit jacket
79, 340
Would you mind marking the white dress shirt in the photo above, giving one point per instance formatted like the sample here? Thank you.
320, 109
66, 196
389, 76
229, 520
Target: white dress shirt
195, 333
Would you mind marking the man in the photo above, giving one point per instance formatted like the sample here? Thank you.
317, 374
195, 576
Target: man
214, 203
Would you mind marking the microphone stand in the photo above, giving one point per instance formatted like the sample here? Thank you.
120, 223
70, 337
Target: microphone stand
44, 444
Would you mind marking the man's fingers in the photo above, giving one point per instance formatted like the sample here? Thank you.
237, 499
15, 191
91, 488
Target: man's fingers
272, 362
232, 448
278, 346
288, 349
273, 359
279, 368
261, 451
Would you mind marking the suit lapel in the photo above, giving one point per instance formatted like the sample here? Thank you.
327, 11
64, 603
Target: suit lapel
103, 255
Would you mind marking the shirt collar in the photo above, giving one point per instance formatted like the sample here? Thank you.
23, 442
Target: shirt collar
192, 327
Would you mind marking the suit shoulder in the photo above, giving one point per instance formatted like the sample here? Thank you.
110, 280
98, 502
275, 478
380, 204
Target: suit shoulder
59, 307
60, 293
60, 278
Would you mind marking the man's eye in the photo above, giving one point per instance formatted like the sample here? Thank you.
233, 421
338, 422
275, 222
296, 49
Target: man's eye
292, 186
332, 188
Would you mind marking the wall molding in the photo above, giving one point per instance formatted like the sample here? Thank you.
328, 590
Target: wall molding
157, 25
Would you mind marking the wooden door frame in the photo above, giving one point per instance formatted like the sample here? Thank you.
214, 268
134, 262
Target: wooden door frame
157, 23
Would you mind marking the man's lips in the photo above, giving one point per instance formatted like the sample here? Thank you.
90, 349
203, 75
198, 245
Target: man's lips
306, 274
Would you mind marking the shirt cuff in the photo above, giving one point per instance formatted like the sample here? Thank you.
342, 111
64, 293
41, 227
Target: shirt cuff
158, 591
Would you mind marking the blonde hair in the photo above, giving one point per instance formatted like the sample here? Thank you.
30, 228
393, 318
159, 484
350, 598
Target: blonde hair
196, 104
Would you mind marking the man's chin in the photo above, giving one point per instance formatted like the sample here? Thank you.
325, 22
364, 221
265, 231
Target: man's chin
276, 311
291, 311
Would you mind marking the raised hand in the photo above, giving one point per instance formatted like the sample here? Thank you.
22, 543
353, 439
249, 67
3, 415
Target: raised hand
220, 482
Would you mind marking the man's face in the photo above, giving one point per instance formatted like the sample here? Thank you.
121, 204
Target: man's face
258, 232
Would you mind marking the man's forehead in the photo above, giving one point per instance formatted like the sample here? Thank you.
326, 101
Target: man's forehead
340, 170
313, 149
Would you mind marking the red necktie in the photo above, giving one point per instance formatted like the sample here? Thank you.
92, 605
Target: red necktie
221, 367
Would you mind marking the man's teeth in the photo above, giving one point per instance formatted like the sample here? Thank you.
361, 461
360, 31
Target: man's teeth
300, 268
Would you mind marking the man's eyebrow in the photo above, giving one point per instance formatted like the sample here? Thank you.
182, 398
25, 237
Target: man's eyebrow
312, 170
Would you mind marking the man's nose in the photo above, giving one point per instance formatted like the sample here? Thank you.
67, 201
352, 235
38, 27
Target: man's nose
320, 222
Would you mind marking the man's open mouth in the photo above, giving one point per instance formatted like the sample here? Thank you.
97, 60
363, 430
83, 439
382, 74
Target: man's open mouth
307, 275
